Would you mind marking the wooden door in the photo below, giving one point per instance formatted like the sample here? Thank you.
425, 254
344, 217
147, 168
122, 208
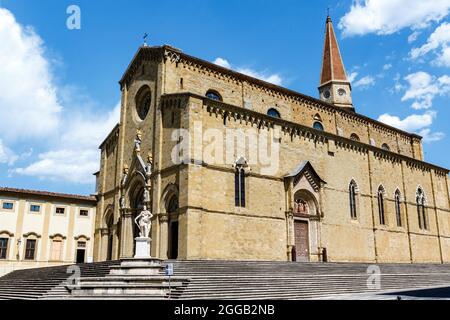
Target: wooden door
301, 234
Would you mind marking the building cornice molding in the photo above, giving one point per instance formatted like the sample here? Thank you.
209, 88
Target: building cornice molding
46, 194
292, 128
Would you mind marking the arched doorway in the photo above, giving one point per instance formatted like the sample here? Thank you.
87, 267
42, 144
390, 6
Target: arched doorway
136, 206
172, 211
304, 207
110, 230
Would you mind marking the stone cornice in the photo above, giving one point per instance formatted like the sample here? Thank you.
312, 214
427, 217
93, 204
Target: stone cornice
253, 117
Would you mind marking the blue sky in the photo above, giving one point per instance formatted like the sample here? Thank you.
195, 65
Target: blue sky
60, 93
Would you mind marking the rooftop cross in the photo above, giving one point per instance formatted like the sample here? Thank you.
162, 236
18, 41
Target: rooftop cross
145, 39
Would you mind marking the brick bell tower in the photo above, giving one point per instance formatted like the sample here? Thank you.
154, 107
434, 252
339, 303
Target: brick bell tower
334, 85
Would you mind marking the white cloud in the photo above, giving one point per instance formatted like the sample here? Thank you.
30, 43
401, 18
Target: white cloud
31, 109
388, 16
398, 86
387, 66
222, 62
423, 88
429, 136
437, 42
352, 76
77, 156
272, 78
418, 123
413, 36
364, 82
7, 155
411, 123
29, 105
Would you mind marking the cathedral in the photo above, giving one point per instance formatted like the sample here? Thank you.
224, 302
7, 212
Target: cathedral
235, 168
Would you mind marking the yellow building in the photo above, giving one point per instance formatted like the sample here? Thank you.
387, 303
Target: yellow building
314, 180
40, 228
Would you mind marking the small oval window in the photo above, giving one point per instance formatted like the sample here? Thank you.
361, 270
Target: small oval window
318, 126
385, 147
354, 137
273, 113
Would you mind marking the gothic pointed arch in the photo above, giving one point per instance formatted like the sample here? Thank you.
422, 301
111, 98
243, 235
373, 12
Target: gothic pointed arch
170, 209
421, 202
381, 196
398, 207
239, 181
353, 200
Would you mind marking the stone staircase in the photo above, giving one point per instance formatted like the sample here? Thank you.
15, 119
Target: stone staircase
240, 280
47, 282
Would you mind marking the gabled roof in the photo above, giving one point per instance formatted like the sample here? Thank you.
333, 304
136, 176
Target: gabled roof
306, 168
332, 65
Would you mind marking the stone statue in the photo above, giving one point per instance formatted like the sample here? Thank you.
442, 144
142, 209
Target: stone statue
143, 221
122, 202
125, 175
148, 167
146, 197
137, 141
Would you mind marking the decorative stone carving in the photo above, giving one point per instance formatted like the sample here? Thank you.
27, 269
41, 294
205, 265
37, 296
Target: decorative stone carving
143, 221
122, 202
148, 167
138, 141
146, 196
125, 175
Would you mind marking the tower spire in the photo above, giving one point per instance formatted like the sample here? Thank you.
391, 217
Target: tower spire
334, 85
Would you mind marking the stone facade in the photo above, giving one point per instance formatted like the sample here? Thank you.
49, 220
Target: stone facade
60, 227
196, 215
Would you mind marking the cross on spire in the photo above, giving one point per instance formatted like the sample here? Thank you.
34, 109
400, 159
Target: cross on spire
145, 38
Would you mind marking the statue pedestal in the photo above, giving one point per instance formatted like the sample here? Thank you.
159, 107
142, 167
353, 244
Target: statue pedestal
142, 248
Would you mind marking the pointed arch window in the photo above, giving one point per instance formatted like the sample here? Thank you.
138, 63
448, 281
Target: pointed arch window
239, 183
352, 197
381, 208
421, 210
398, 208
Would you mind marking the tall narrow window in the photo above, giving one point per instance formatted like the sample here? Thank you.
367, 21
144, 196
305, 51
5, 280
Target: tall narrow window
381, 205
398, 208
239, 186
421, 212
30, 249
3, 248
352, 195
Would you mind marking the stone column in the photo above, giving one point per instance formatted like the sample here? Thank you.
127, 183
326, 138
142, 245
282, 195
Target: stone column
103, 244
164, 235
126, 243
290, 233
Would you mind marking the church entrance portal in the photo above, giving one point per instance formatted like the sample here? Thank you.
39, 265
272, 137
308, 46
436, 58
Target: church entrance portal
301, 235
